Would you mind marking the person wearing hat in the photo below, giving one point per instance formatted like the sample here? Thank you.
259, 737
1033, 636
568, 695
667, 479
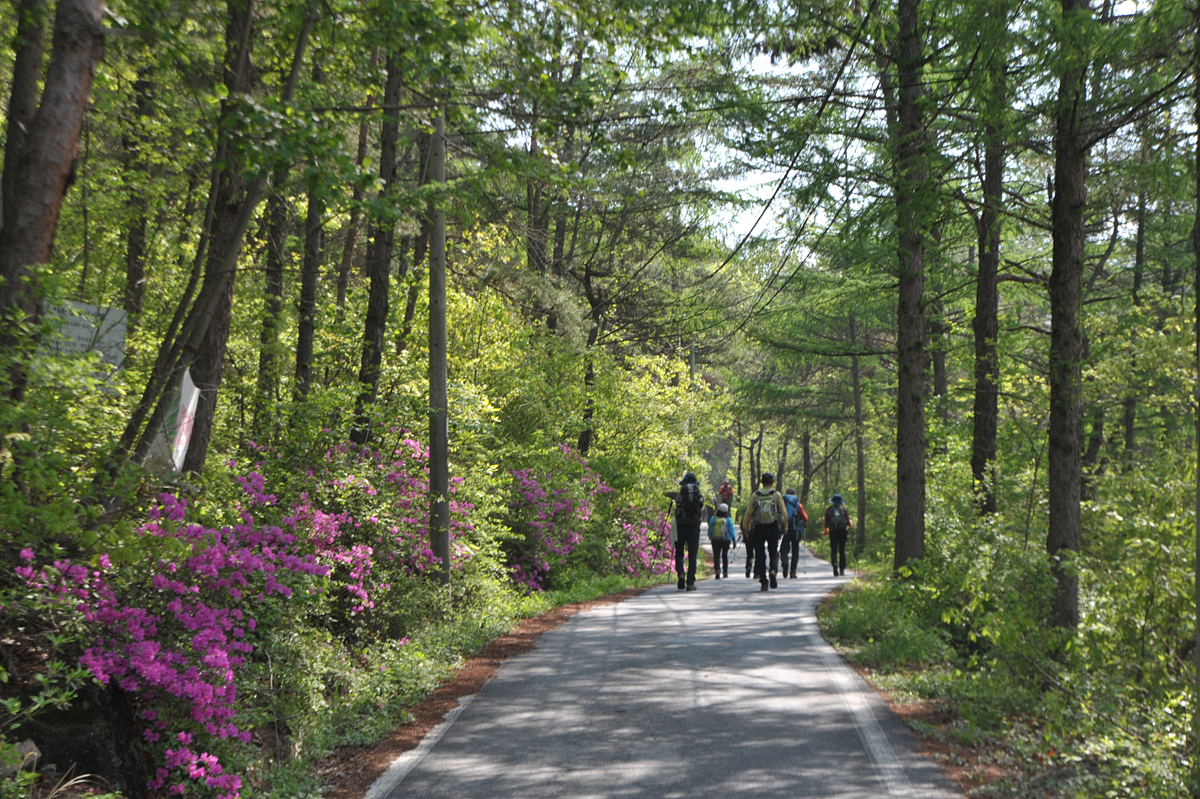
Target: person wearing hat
766, 516
837, 527
720, 535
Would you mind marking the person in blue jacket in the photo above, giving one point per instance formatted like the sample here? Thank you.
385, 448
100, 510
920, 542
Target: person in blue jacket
720, 534
790, 543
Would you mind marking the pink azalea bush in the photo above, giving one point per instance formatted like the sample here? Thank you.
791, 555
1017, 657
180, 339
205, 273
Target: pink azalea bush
366, 512
643, 548
552, 510
174, 632
564, 519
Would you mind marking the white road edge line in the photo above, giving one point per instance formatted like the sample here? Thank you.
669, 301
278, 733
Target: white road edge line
405, 763
887, 766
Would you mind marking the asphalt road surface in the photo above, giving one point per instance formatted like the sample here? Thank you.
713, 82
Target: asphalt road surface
719, 692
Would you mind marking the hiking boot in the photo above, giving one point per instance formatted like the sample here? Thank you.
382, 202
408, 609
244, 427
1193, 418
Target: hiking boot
691, 586
842, 572
726, 574
792, 575
747, 573
774, 584
682, 585
763, 586
835, 571
717, 576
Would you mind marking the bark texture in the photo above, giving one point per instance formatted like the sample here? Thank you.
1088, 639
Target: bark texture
35, 181
310, 273
379, 262
985, 325
910, 191
1066, 332
219, 278
860, 446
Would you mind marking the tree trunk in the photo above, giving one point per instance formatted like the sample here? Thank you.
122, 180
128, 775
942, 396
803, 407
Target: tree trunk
986, 325
420, 250
23, 95
782, 464
860, 453
135, 239
1066, 330
740, 444
1093, 464
756, 447
379, 264
209, 363
1129, 416
1196, 396
584, 444
35, 181
183, 351
310, 273
351, 243
912, 185
806, 483
277, 230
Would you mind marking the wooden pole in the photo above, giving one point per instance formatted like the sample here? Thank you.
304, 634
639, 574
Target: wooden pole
439, 434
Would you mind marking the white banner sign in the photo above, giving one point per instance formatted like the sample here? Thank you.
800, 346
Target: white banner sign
171, 444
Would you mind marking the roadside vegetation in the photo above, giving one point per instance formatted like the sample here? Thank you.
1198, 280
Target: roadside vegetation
937, 257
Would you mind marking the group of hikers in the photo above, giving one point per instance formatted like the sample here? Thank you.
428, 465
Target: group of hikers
769, 520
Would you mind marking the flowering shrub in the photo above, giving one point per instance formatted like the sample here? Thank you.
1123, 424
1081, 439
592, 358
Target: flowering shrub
175, 635
174, 632
366, 513
552, 510
643, 547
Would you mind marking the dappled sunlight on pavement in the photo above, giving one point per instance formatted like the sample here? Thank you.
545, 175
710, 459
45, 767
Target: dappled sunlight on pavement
725, 691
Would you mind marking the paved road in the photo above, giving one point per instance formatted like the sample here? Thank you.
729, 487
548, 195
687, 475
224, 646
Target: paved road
714, 693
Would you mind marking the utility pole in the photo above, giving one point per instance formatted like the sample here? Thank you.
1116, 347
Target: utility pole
439, 433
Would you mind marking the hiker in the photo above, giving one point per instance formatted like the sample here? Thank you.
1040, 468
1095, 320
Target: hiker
720, 535
689, 511
747, 539
790, 544
766, 517
725, 493
838, 526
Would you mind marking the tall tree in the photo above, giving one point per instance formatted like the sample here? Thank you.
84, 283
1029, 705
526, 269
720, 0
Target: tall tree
220, 279
986, 324
912, 196
1066, 327
37, 177
379, 260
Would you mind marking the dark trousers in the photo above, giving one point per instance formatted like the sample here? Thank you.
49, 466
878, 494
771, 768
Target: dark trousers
689, 536
837, 548
789, 546
766, 544
721, 557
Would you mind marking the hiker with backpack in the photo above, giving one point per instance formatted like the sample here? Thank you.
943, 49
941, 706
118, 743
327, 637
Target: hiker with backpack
838, 526
766, 518
748, 548
725, 493
689, 512
720, 535
790, 544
